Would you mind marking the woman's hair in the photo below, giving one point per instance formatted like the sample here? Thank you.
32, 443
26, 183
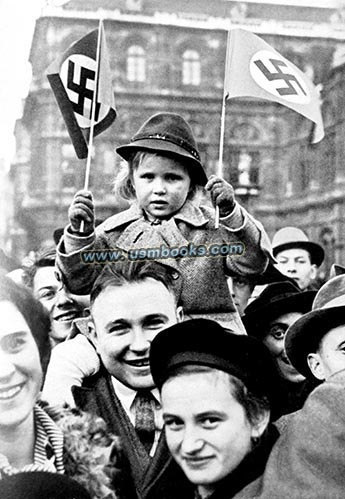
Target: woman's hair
254, 405
33, 312
123, 184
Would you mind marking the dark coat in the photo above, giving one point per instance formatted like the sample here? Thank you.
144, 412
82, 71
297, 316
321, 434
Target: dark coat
145, 478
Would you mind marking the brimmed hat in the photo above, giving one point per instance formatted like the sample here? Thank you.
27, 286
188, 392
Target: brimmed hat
206, 343
336, 270
271, 275
41, 485
292, 237
328, 312
168, 133
276, 299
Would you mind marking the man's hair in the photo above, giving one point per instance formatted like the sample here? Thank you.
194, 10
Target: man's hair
132, 272
44, 258
34, 314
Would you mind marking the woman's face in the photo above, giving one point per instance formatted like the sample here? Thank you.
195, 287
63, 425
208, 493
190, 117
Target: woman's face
207, 430
20, 367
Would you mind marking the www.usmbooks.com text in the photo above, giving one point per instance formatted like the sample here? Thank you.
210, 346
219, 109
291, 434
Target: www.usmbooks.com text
163, 252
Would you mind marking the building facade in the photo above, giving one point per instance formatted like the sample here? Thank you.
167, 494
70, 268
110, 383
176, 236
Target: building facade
171, 57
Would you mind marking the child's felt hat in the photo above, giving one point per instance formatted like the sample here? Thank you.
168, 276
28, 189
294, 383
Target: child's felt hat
167, 133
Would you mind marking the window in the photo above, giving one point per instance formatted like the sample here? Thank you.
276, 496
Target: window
72, 170
136, 64
191, 68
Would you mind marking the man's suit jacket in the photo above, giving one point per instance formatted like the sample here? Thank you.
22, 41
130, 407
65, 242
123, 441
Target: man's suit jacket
152, 478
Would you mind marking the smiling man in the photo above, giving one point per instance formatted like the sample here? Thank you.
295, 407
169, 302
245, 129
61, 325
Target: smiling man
130, 303
63, 307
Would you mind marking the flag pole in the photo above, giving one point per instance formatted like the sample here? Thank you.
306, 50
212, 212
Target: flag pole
93, 114
222, 124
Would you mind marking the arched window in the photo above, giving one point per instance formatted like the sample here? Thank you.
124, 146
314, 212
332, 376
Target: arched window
136, 63
191, 68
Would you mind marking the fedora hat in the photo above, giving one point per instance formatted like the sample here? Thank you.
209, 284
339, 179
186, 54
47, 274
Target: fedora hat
276, 299
205, 342
336, 269
292, 237
167, 133
269, 276
328, 312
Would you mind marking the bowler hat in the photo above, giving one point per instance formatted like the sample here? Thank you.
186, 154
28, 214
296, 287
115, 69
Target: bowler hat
292, 237
205, 342
41, 485
276, 299
328, 312
167, 133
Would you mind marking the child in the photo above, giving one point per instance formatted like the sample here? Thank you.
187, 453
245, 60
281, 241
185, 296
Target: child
165, 223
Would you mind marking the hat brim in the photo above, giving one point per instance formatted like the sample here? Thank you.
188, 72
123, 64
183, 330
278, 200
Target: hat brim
304, 335
316, 251
256, 322
198, 174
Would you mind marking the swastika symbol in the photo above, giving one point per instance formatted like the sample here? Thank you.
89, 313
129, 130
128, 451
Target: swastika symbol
81, 89
289, 89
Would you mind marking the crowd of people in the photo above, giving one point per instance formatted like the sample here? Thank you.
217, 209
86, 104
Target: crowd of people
195, 373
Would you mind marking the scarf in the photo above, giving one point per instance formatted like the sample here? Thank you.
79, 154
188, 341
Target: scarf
48, 451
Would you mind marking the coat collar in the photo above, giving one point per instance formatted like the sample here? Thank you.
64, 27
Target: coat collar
189, 213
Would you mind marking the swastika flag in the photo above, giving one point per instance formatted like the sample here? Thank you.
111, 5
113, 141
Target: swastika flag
255, 69
73, 80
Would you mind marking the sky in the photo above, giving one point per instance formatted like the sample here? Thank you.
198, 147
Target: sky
17, 20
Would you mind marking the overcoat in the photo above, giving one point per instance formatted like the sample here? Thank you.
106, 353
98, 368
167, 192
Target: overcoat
308, 460
207, 255
146, 478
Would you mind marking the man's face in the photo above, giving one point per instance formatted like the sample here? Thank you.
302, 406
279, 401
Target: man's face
274, 340
241, 290
62, 306
126, 319
330, 357
295, 263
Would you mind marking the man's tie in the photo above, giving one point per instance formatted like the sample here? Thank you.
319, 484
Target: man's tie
144, 403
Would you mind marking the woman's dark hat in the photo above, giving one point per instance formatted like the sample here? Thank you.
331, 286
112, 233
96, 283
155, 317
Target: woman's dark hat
167, 133
276, 299
292, 237
328, 312
206, 343
41, 485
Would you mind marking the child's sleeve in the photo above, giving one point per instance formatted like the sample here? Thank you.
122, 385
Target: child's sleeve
77, 274
241, 227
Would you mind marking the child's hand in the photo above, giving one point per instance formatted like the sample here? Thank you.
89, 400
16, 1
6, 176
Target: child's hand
222, 194
82, 209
